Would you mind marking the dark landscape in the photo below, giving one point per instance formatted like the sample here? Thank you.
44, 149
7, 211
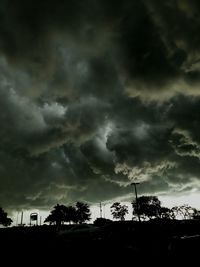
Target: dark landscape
115, 243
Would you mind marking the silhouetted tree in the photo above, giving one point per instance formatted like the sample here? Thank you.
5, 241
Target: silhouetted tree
83, 213
196, 214
70, 214
165, 213
50, 219
147, 207
4, 220
61, 213
57, 215
119, 211
183, 212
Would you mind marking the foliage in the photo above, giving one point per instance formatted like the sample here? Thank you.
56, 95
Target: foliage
147, 207
119, 211
83, 213
70, 214
183, 212
57, 215
61, 214
196, 214
4, 220
165, 213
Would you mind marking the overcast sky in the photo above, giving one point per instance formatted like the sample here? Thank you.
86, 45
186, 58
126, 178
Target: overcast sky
96, 94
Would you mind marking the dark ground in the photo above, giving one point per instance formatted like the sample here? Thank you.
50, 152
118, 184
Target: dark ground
115, 244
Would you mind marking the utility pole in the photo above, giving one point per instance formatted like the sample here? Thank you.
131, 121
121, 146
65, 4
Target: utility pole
100, 210
17, 219
136, 199
22, 219
104, 212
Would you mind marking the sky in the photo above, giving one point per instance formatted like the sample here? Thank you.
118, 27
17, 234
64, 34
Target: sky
95, 95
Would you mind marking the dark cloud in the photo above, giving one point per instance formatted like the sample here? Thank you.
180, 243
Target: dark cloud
94, 94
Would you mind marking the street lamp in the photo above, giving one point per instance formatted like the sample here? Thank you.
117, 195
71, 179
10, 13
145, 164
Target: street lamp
100, 206
136, 199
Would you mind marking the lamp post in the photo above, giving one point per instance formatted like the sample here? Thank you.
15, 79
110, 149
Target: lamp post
104, 205
136, 199
100, 206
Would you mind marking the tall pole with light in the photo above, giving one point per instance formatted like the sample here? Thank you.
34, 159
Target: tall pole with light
136, 199
100, 206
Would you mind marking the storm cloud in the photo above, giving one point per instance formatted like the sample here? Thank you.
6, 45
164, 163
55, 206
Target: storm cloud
97, 94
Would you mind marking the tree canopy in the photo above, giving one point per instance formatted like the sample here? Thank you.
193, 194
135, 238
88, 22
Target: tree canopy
76, 214
83, 213
149, 207
119, 211
184, 212
146, 207
4, 219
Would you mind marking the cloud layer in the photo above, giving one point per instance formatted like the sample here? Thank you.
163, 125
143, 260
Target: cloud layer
96, 94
